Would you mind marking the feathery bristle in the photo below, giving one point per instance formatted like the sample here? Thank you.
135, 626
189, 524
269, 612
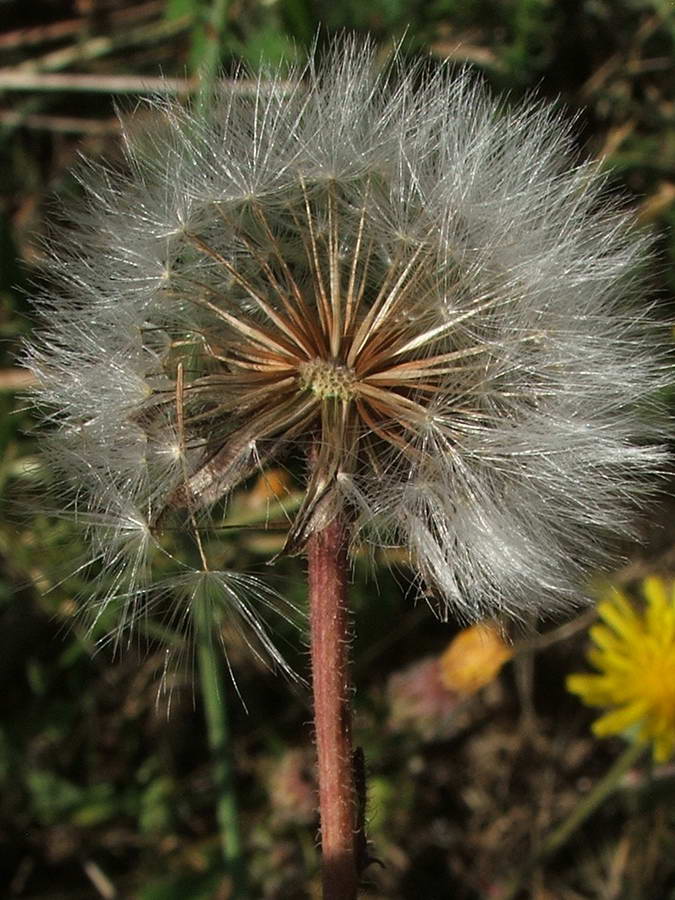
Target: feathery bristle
389, 268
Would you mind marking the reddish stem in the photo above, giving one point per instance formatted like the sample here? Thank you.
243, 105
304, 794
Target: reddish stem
329, 625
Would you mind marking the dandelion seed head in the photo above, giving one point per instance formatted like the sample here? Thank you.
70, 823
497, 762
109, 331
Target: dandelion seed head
389, 273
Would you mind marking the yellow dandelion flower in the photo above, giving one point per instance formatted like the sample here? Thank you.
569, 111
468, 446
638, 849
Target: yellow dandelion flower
634, 653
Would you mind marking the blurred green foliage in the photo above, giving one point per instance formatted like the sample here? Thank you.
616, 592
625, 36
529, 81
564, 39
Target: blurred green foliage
98, 780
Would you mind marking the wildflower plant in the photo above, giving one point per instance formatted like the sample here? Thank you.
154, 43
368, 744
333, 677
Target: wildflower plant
633, 651
394, 285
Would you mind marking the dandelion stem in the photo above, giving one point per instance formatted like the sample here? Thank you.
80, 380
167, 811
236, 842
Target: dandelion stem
212, 683
588, 805
329, 624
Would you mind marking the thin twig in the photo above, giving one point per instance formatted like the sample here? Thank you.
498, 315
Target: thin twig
58, 124
14, 80
99, 879
57, 31
16, 379
103, 45
40, 34
561, 633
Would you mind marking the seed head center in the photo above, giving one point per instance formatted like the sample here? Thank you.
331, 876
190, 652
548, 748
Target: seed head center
327, 378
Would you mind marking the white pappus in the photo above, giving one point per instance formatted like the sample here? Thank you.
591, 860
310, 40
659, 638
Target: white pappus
389, 271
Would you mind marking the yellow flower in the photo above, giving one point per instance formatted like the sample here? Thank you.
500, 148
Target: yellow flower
634, 653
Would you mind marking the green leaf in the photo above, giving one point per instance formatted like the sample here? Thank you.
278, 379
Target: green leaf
198, 9
268, 45
299, 19
176, 9
53, 797
156, 810
56, 799
100, 804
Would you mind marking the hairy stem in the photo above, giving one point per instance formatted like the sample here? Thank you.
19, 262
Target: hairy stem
329, 626
212, 683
